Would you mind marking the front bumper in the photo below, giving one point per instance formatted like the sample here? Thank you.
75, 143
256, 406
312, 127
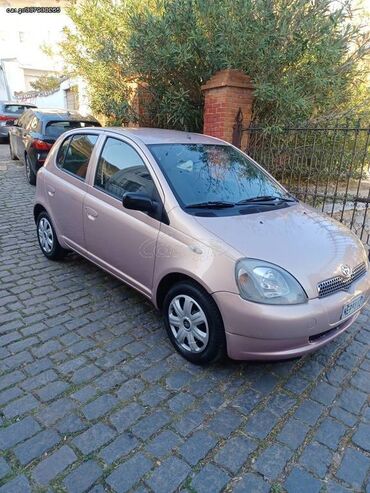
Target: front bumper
256, 331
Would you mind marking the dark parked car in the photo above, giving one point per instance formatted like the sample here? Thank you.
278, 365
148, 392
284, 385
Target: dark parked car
10, 111
34, 133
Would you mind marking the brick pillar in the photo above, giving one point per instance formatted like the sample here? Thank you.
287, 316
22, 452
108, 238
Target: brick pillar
144, 99
226, 92
140, 101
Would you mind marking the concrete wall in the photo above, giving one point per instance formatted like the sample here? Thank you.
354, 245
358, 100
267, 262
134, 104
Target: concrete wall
55, 100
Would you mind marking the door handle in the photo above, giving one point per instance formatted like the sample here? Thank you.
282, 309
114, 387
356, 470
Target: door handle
51, 191
91, 213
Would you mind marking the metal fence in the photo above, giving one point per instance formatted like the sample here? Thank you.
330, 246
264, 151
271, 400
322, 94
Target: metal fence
326, 166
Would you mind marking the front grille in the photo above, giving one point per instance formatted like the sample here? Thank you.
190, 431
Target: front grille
323, 335
335, 284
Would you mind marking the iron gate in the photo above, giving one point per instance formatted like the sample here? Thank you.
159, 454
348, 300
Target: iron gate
326, 166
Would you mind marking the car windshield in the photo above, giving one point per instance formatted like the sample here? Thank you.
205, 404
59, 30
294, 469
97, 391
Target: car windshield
55, 129
214, 175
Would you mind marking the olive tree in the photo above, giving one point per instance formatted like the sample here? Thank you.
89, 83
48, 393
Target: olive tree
306, 58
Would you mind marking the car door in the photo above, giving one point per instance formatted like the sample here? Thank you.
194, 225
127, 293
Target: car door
66, 186
122, 241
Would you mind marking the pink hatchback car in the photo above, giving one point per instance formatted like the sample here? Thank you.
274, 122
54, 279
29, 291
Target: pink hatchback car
233, 261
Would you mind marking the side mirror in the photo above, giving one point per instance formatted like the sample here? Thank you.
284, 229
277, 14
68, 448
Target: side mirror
11, 123
138, 202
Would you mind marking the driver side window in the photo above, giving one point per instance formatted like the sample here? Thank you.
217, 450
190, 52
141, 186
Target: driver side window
120, 169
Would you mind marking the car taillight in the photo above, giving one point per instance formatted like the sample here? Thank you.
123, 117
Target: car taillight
40, 145
4, 118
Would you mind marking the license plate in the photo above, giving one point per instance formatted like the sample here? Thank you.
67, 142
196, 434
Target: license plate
353, 306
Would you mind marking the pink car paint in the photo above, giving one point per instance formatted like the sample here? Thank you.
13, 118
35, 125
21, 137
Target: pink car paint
142, 251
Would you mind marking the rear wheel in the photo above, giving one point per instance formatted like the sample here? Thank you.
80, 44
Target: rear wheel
31, 175
48, 240
194, 324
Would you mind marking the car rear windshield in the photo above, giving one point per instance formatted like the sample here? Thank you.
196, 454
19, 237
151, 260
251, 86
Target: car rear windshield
212, 173
17, 109
54, 129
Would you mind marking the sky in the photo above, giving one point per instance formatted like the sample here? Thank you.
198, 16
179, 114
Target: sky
22, 35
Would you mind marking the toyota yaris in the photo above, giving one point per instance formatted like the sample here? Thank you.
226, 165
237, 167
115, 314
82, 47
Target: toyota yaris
236, 264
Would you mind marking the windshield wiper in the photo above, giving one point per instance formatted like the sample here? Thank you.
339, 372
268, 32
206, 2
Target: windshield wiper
215, 204
265, 198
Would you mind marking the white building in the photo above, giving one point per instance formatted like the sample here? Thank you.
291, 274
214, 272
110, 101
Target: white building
71, 95
23, 60
22, 39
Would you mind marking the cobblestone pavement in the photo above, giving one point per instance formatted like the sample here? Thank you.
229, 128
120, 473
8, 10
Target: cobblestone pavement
93, 398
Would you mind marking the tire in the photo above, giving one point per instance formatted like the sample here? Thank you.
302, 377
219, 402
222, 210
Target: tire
13, 157
30, 174
47, 238
200, 343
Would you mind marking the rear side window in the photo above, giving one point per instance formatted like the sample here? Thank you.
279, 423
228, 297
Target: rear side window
34, 124
55, 129
74, 154
62, 152
121, 169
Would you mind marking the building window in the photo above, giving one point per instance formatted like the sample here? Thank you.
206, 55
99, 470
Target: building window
72, 98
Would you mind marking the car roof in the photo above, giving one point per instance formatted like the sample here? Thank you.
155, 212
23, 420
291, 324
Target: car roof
62, 114
150, 136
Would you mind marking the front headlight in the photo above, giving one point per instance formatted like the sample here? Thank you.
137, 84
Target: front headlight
262, 282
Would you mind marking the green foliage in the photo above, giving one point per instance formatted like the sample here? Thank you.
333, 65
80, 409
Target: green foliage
97, 50
305, 58
46, 84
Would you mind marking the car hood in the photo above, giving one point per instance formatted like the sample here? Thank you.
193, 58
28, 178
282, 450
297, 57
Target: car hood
310, 245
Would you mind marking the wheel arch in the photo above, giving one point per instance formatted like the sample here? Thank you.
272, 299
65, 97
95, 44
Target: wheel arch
170, 280
37, 209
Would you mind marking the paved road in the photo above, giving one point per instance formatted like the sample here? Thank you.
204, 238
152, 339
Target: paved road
93, 398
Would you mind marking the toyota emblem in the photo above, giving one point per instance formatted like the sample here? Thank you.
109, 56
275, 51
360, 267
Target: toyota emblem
346, 271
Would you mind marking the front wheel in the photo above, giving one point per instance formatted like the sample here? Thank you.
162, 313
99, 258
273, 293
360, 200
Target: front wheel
48, 240
194, 324
31, 175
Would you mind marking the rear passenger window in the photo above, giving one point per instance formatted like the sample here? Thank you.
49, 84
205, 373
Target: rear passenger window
33, 124
121, 169
74, 154
62, 152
